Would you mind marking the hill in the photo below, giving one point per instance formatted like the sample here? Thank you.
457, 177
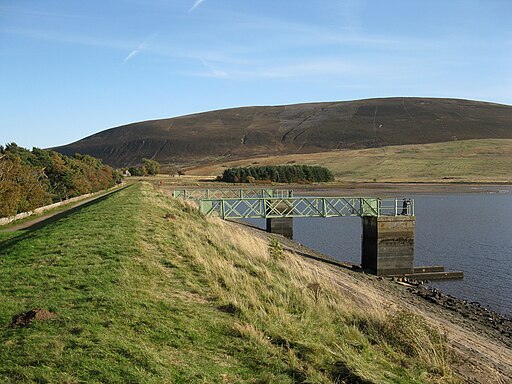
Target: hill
300, 128
140, 288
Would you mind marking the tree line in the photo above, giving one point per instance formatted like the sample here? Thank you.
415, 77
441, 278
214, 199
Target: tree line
278, 173
31, 179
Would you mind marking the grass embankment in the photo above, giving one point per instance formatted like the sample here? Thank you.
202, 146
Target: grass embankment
457, 161
145, 289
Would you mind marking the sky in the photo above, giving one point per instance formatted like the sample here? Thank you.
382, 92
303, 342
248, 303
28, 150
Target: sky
69, 69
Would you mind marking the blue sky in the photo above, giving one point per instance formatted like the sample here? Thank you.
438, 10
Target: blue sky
72, 68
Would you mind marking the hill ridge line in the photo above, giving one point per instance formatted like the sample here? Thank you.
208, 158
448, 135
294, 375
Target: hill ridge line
320, 127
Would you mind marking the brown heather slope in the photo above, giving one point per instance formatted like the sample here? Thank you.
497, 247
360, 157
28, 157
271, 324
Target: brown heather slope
301, 128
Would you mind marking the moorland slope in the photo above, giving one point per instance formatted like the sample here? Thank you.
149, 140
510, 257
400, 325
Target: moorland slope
301, 128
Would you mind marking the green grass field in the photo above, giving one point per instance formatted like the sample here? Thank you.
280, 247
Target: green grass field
456, 161
146, 290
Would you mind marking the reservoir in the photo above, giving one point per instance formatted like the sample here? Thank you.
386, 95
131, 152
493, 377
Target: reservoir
469, 232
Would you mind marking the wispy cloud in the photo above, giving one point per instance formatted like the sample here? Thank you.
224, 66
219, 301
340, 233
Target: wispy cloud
80, 39
196, 4
35, 13
173, 49
326, 67
140, 47
213, 72
280, 51
342, 69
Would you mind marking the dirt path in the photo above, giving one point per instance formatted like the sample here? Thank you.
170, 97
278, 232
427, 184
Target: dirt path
56, 214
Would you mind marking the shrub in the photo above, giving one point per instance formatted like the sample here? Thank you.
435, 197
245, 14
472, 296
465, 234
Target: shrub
275, 249
152, 167
137, 171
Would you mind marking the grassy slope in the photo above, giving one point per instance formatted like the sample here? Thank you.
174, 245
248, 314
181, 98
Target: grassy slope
465, 160
147, 290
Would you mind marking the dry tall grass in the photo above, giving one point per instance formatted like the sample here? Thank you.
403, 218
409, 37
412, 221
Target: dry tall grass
488, 160
295, 311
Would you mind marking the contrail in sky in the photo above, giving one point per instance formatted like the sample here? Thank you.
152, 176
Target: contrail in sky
140, 47
196, 4
134, 52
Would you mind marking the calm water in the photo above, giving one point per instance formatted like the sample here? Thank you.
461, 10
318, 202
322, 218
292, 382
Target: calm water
468, 232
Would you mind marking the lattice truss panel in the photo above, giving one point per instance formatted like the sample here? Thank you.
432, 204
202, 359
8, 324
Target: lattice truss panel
252, 208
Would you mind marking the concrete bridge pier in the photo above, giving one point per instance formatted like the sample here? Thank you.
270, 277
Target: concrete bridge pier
388, 245
281, 226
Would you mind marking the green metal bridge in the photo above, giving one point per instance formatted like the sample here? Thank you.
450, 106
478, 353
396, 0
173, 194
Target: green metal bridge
387, 241
268, 203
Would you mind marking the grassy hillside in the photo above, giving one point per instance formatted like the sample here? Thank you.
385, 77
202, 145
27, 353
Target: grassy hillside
456, 161
240, 133
143, 289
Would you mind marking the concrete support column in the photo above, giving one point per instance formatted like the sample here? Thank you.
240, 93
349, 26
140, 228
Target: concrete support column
281, 225
388, 245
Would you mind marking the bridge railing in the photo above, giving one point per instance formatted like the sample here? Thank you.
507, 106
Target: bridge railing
241, 193
396, 207
252, 208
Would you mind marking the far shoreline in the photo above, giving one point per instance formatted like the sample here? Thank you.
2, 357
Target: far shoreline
393, 188
344, 188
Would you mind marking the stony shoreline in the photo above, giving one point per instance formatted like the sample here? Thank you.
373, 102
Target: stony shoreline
499, 325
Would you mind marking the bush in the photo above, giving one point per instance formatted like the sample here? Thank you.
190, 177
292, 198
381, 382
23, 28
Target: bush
275, 249
152, 167
137, 171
